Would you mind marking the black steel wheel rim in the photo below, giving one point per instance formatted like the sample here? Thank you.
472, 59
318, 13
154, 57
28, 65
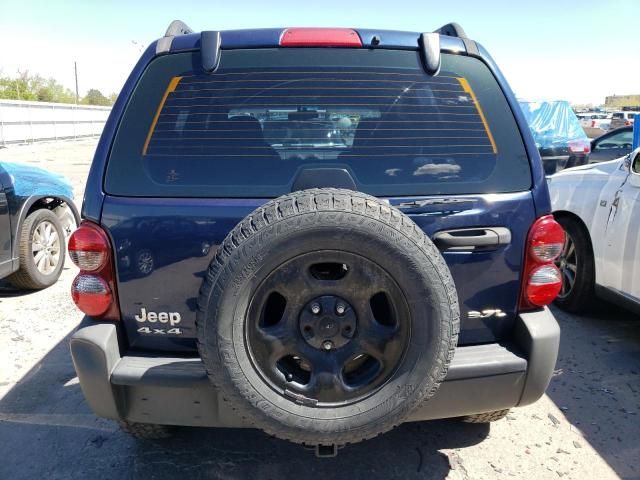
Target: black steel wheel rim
327, 328
567, 263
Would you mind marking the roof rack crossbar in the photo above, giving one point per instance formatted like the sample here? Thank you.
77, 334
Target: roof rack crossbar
452, 30
177, 27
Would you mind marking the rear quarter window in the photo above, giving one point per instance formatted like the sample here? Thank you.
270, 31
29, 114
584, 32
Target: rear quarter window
250, 128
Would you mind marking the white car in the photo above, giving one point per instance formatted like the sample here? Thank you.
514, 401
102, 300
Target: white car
622, 119
599, 207
594, 123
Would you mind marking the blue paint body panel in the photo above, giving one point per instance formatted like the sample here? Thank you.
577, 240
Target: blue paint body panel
181, 234
173, 230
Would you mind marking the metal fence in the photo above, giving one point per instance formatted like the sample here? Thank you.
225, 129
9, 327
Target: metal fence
23, 122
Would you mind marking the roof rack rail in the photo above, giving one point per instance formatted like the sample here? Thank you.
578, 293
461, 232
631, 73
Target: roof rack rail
452, 30
177, 27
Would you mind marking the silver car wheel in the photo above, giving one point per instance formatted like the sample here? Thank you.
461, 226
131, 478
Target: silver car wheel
567, 263
45, 247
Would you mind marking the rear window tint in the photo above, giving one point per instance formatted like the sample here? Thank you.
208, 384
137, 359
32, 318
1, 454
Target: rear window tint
250, 128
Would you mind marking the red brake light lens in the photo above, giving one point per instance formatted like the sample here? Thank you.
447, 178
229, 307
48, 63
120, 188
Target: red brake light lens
546, 239
544, 285
320, 37
91, 294
579, 146
541, 280
88, 247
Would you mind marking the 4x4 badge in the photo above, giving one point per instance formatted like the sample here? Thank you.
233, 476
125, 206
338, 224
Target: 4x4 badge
490, 312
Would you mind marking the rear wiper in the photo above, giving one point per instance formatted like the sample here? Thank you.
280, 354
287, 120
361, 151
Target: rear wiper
437, 205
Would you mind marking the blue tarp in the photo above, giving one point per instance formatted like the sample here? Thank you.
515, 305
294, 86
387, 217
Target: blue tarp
29, 181
553, 124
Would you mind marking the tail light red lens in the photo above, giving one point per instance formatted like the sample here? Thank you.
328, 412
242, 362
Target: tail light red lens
88, 247
579, 146
91, 294
544, 285
546, 239
94, 289
541, 280
320, 37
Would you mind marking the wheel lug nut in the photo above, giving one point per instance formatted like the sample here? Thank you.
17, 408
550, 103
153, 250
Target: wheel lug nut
340, 309
315, 308
327, 345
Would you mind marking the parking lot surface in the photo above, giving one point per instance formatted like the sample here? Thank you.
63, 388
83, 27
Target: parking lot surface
587, 426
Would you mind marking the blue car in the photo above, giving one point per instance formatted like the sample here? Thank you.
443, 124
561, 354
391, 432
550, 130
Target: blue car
321, 233
37, 215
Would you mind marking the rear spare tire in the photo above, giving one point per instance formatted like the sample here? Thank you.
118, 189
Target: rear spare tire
326, 317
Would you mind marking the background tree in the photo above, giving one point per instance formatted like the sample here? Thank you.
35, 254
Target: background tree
95, 97
34, 87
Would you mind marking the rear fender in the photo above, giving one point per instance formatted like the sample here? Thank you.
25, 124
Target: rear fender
28, 206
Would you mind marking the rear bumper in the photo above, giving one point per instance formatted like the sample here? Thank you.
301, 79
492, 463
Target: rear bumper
176, 391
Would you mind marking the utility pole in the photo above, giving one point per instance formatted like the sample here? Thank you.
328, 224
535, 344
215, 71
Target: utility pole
75, 69
18, 84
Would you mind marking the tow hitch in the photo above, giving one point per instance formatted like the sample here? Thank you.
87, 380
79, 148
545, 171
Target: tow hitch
326, 451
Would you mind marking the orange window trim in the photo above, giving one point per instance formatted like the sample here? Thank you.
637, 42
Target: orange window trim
170, 88
467, 88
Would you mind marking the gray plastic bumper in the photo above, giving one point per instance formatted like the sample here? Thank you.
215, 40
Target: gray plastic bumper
176, 391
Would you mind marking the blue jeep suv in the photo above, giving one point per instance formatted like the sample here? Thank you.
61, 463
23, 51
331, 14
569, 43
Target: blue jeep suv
321, 233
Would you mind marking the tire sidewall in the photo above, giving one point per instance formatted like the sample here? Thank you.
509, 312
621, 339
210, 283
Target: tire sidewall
32, 222
583, 285
421, 279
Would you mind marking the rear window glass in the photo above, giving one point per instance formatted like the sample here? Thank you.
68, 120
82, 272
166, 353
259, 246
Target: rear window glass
252, 127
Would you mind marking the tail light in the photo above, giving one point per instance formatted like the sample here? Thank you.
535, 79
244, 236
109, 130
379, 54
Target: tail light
320, 37
627, 123
593, 124
89, 247
541, 279
94, 289
579, 146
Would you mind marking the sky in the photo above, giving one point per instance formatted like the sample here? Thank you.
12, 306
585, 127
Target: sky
576, 50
